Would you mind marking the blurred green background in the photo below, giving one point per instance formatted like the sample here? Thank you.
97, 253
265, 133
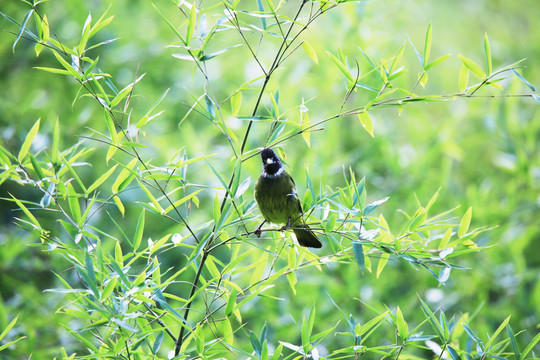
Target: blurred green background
483, 152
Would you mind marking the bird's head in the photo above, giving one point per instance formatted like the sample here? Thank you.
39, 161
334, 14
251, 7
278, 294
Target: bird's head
271, 165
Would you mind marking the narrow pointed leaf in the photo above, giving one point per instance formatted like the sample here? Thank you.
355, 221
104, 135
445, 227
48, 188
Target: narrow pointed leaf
465, 222
487, 50
473, 67
427, 44
28, 141
367, 123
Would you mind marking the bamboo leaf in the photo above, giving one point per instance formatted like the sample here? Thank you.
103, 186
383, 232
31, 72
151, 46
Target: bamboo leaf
231, 303
22, 28
53, 70
359, 254
437, 61
28, 141
367, 123
427, 44
85, 34
523, 80
487, 50
101, 179
465, 222
310, 51
342, 67
473, 67
463, 79
192, 21
181, 201
137, 238
382, 263
173, 28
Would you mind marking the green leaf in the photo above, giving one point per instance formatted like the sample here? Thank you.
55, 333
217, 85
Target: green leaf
231, 303
137, 238
311, 53
36, 167
367, 123
33, 220
210, 106
498, 331
260, 6
181, 201
513, 341
85, 34
146, 118
531, 345
463, 79
153, 200
173, 28
342, 67
523, 80
53, 70
427, 44
28, 141
402, 327
473, 336
122, 180
192, 21
453, 353
236, 102
55, 145
487, 50
101, 179
22, 28
243, 187
370, 324
73, 200
473, 67
101, 22
465, 222
291, 277
382, 263
72, 71
74, 173
437, 61
124, 92
45, 29
359, 254
9, 327
433, 321
255, 343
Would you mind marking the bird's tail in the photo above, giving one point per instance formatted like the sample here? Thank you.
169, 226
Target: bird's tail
305, 236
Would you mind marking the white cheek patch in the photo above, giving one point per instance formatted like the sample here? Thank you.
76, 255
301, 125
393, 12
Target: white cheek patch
269, 161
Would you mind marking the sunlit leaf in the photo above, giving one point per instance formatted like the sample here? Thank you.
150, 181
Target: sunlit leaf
28, 141
427, 44
365, 120
473, 67
465, 222
310, 51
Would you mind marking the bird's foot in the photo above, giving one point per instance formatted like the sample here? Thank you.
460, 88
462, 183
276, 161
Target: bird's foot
257, 231
286, 226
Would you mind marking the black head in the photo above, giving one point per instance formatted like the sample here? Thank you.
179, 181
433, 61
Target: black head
271, 163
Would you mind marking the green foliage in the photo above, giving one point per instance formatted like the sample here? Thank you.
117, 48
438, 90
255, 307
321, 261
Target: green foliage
143, 211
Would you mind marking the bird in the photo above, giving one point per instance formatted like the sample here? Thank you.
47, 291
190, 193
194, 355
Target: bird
276, 196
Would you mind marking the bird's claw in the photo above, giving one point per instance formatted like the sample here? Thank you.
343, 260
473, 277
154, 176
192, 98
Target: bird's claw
257, 231
286, 226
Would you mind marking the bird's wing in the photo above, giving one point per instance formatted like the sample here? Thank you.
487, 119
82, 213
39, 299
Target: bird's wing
293, 195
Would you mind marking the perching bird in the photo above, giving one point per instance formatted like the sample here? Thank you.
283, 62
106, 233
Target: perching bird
275, 193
